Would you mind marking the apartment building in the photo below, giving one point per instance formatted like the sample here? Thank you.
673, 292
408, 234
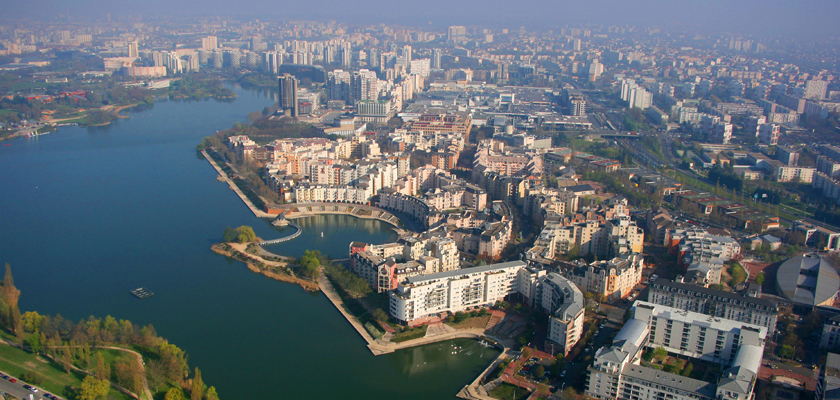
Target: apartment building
745, 306
613, 278
617, 373
452, 291
564, 303
384, 266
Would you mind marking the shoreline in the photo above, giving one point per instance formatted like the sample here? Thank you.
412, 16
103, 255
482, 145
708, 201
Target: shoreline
55, 123
376, 347
238, 253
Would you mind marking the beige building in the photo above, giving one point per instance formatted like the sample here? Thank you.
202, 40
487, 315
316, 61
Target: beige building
614, 278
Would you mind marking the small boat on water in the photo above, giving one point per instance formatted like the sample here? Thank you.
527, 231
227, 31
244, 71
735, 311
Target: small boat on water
142, 293
322, 234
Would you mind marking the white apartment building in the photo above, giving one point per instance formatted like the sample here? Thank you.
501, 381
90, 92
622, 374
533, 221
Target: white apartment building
784, 173
617, 373
452, 291
717, 303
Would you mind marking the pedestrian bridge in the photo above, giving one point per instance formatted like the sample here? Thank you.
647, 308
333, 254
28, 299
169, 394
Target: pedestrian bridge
287, 238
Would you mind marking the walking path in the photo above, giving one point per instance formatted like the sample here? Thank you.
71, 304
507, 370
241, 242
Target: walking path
257, 212
146, 391
384, 346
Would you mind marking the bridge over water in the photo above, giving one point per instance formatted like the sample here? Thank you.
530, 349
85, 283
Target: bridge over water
287, 238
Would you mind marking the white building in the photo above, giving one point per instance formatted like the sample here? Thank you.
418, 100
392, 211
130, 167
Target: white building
617, 372
452, 291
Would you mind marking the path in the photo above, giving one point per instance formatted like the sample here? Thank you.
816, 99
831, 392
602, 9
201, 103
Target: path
140, 362
384, 346
257, 212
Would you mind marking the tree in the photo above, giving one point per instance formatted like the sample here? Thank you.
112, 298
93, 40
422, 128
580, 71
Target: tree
539, 372
759, 279
688, 369
197, 390
660, 352
380, 314
128, 374
174, 394
94, 389
11, 295
786, 351
101, 371
245, 234
230, 235
211, 394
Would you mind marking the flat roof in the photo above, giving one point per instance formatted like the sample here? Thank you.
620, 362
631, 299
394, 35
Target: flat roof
465, 271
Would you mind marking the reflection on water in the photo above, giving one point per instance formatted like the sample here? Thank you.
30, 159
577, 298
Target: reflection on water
338, 231
453, 354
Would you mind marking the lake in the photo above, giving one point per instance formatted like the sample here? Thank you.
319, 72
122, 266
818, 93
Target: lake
91, 213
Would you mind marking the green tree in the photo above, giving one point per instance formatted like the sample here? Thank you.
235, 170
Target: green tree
174, 394
786, 351
34, 341
539, 372
759, 279
94, 389
245, 234
660, 352
380, 314
230, 235
687, 370
211, 394
197, 390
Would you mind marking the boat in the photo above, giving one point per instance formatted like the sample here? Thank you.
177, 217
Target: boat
322, 234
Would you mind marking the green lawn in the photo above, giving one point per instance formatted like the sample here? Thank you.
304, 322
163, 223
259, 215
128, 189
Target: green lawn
410, 334
507, 391
15, 362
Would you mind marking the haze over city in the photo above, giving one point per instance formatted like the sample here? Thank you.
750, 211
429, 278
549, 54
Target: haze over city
573, 200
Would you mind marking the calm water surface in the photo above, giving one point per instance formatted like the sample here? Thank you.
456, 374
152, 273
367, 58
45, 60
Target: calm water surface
88, 214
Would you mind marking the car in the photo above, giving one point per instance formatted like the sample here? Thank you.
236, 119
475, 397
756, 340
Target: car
33, 389
773, 367
13, 380
27, 387
586, 349
562, 374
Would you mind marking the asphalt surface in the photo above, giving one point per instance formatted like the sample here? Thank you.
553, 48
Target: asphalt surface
16, 389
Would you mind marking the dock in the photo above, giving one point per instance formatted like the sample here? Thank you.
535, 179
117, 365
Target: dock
142, 293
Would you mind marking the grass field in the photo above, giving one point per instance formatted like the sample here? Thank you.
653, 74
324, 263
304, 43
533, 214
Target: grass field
16, 362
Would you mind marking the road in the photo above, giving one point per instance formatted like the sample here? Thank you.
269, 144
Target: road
576, 370
16, 389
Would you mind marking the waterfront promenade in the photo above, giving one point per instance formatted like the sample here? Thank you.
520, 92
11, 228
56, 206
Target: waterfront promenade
257, 212
378, 347
301, 210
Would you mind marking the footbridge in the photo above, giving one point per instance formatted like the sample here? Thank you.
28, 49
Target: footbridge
287, 238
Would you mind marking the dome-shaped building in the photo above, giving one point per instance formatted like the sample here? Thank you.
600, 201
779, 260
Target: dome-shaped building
808, 280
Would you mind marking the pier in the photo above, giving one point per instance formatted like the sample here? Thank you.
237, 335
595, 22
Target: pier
287, 238
142, 293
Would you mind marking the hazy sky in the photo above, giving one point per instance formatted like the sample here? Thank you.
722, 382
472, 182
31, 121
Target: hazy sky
783, 17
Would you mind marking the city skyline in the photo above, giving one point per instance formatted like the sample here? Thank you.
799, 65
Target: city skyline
811, 18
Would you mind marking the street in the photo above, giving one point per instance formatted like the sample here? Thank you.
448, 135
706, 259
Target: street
16, 389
